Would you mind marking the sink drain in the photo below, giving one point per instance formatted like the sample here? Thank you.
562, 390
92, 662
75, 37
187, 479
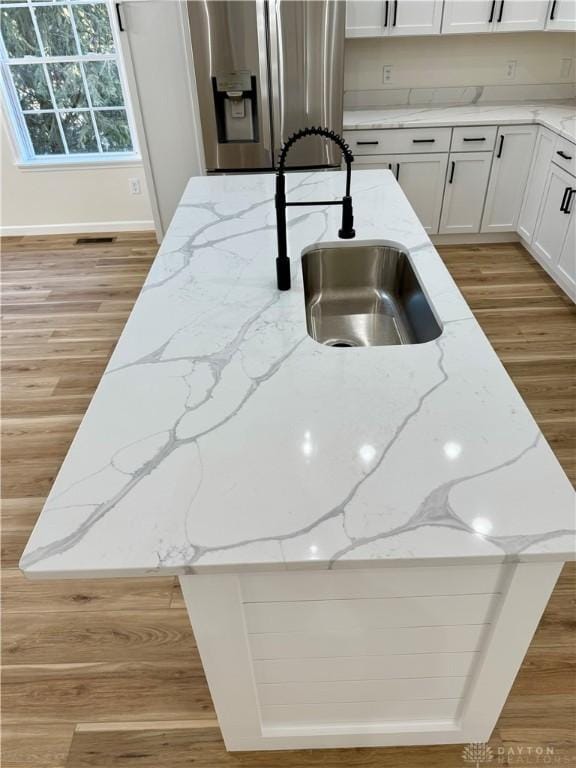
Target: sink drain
340, 343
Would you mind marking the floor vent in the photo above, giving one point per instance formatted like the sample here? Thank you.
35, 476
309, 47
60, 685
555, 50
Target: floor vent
94, 240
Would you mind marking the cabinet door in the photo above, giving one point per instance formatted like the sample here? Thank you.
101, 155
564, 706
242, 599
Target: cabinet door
415, 17
365, 18
465, 191
468, 16
421, 177
552, 224
567, 261
520, 15
562, 15
510, 167
535, 185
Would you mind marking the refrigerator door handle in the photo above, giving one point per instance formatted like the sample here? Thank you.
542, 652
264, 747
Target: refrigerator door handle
265, 115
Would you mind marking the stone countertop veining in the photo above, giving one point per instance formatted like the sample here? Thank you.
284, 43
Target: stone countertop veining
222, 437
560, 118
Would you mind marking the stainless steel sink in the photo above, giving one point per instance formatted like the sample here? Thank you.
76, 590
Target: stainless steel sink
365, 296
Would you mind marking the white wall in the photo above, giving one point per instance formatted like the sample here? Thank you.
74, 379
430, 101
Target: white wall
60, 200
458, 60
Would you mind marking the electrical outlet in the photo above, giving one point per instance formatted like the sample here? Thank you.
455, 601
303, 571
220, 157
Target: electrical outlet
565, 68
511, 69
387, 73
134, 186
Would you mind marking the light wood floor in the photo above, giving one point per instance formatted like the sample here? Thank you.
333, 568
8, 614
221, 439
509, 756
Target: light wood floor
102, 674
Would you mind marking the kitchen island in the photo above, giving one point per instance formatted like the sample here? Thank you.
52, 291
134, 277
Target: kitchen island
367, 537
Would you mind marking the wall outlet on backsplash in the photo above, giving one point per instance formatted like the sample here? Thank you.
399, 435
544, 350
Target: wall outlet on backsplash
566, 68
511, 69
387, 73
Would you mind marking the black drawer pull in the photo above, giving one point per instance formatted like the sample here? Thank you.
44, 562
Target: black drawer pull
564, 155
452, 167
564, 196
553, 11
423, 141
499, 155
491, 19
480, 138
366, 143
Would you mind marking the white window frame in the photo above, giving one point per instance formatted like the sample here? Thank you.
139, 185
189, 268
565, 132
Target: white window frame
24, 151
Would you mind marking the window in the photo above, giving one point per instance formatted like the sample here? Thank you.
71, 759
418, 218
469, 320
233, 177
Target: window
62, 81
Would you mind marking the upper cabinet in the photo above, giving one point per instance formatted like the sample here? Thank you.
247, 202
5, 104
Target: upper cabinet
494, 15
562, 15
383, 18
392, 18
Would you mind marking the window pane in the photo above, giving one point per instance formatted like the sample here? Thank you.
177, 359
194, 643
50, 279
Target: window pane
67, 84
79, 131
44, 133
93, 27
114, 131
18, 33
31, 87
56, 31
104, 83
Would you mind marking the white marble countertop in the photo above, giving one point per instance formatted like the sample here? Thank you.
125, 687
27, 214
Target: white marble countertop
222, 437
560, 118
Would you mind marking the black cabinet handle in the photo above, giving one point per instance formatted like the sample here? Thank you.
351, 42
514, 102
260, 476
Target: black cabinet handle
553, 10
367, 143
499, 155
501, 11
386, 14
480, 138
491, 19
564, 155
569, 201
395, 13
452, 167
119, 17
423, 141
564, 196
566, 205
397, 171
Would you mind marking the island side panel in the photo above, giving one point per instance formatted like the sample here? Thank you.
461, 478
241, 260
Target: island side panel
381, 657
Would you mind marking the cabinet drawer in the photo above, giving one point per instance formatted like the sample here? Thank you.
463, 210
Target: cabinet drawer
565, 155
398, 140
476, 138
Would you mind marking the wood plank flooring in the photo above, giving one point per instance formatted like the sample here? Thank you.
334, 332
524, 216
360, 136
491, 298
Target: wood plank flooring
103, 674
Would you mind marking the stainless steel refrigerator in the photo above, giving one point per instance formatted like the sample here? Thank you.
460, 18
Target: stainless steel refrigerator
264, 69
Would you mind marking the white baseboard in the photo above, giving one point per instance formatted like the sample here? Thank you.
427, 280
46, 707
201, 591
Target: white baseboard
74, 228
476, 239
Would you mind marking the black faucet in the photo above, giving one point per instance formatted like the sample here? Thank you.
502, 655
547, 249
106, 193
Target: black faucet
346, 231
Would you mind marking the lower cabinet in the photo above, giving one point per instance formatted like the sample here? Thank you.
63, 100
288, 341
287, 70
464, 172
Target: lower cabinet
421, 177
541, 160
510, 167
554, 236
465, 191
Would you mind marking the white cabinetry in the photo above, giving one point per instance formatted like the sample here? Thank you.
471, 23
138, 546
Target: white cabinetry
555, 219
510, 167
377, 18
421, 177
465, 191
567, 260
473, 16
536, 181
520, 15
562, 15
